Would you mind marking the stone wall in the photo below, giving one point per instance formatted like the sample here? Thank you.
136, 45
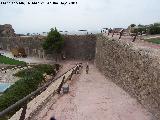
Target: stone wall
32, 45
76, 46
80, 46
134, 68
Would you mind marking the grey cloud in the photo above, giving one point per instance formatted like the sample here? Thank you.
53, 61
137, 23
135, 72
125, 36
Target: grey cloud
87, 14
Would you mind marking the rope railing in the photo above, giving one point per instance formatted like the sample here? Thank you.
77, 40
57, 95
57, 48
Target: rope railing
31, 102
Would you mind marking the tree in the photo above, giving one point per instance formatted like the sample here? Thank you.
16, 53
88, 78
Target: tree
54, 43
140, 25
157, 24
142, 29
28, 34
131, 28
132, 25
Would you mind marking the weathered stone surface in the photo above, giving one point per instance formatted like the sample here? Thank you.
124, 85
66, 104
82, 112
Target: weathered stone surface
76, 46
80, 46
134, 68
6, 31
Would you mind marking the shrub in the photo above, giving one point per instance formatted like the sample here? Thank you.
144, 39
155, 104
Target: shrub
20, 89
154, 30
154, 40
43, 68
29, 82
57, 66
18, 52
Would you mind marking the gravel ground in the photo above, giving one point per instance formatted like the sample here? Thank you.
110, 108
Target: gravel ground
8, 76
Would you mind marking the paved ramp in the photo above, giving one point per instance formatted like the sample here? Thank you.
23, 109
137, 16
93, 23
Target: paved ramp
93, 97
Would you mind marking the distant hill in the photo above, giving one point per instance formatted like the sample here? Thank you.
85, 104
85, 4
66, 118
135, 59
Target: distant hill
6, 30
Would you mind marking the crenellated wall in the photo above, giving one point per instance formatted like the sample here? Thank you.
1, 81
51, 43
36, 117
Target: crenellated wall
76, 46
134, 68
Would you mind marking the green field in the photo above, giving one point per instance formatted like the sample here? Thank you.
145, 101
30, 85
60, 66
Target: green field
10, 61
154, 40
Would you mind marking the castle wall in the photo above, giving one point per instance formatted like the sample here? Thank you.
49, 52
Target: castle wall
75, 47
134, 68
32, 45
80, 46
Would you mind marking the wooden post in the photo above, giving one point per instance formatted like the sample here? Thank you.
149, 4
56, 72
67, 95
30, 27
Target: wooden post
121, 33
77, 71
23, 114
113, 33
135, 37
60, 86
71, 75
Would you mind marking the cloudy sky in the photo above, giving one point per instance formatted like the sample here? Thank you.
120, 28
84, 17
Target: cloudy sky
86, 14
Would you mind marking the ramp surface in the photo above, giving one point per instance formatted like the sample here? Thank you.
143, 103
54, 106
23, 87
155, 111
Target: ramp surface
93, 97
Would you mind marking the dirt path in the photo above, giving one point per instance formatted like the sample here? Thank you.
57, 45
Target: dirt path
93, 97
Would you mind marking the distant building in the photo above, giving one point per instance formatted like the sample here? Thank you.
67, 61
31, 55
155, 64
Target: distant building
20, 35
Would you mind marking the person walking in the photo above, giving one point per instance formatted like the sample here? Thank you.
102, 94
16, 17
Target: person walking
87, 68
